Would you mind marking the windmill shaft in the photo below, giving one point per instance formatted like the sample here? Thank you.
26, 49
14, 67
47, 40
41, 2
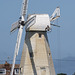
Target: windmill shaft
55, 25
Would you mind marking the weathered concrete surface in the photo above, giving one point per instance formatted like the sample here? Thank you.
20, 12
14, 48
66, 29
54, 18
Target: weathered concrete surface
36, 56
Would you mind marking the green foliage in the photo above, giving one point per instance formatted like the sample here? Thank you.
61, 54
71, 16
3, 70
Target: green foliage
61, 74
74, 73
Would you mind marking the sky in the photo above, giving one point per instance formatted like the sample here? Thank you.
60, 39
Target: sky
61, 40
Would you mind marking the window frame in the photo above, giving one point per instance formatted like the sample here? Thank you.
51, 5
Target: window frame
4, 72
16, 71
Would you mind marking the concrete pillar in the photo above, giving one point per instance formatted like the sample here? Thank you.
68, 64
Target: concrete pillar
36, 56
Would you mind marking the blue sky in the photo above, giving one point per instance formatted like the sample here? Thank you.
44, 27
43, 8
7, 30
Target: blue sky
61, 40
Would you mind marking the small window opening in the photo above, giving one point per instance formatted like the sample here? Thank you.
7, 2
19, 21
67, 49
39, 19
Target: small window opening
17, 71
39, 35
31, 54
43, 68
49, 54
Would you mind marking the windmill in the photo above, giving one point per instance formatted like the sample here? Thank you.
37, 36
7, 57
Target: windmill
36, 56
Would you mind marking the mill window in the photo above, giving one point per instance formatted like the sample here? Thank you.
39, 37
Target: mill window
31, 54
40, 35
17, 71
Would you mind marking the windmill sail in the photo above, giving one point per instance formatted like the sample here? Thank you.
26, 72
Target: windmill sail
55, 15
15, 26
19, 25
24, 7
23, 13
17, 47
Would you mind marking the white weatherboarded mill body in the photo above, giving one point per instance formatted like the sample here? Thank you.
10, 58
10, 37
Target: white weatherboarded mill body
36, 55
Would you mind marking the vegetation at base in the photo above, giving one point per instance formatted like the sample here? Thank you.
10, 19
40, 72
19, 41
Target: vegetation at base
61, 74
74, 73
